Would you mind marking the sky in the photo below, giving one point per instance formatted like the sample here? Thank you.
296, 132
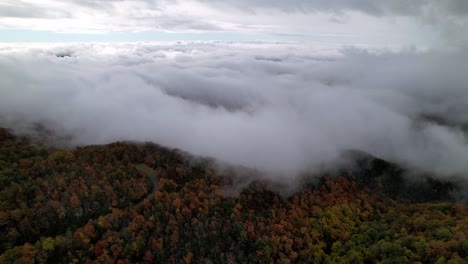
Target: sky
396, 23
282, 86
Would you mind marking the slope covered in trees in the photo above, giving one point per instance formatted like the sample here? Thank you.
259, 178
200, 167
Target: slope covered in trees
95, 204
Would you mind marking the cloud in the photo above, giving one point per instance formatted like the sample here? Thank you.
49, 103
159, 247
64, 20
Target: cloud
446, 20
16, 11
284, 108
20, 9
419, 23
105, 16
371, 7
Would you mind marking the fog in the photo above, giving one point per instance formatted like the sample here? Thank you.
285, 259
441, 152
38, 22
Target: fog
280, 107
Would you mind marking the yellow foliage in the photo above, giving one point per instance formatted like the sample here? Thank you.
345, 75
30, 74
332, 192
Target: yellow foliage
48, 244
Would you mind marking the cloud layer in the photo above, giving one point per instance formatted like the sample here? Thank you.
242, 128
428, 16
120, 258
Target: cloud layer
372, 22
280, 107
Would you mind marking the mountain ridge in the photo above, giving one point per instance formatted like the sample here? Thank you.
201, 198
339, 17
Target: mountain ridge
92, 205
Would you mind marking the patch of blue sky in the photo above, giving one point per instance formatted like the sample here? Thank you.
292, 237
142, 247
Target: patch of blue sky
15, 35
7, 35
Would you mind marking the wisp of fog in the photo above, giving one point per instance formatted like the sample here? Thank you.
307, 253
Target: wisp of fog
279, 107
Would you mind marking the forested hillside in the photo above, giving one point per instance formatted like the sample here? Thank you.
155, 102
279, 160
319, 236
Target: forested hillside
96, 204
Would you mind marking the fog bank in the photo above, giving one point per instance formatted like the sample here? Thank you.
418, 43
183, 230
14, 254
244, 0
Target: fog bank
284, 108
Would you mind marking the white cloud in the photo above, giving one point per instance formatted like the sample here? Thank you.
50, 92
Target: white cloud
279, 107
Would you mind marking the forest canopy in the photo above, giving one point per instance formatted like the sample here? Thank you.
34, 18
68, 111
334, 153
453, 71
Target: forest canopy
143, 203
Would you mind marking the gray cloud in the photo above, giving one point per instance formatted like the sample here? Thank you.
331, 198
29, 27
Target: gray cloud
422, 23
447, 19
373, 7
19, 9
280, 107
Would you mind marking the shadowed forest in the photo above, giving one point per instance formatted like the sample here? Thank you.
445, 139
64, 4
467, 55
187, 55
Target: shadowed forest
143, 203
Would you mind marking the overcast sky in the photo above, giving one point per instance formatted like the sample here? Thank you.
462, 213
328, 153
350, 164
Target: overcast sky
421, 23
